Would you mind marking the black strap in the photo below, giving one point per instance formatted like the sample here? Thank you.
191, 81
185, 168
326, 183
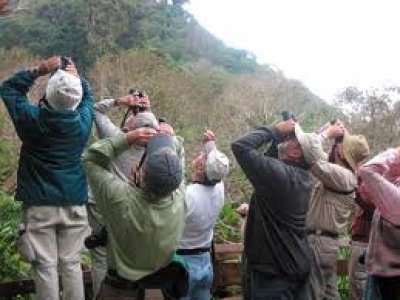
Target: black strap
193, 251
340, 192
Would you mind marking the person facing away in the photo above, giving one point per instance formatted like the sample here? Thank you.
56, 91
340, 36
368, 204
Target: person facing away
144, 217
121, 165
204, 201
276, 250
381, 185
51, 180
332, 201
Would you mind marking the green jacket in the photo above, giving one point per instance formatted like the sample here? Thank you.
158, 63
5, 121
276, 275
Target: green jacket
143, 232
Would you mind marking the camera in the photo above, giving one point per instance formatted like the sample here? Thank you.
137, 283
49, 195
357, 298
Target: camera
96, 239
65, 61
138, 108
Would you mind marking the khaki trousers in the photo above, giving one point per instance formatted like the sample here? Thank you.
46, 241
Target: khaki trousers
323, 285
99, 254
53, 239
357, 273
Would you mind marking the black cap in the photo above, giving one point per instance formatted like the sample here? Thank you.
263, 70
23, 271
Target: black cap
163, 170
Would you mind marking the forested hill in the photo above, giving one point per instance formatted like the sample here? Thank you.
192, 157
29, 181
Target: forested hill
194, 80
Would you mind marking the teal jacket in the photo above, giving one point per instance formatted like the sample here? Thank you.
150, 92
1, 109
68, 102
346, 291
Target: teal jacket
50, 170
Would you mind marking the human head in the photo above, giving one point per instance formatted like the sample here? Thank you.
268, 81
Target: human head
162, 170
311, 146
142, 119
64, 91
355, 149
210, 169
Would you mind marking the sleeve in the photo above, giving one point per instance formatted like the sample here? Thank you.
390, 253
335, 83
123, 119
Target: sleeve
209, 146
259, 169
377, 176
334, 177
85, 108
14, 93
106, 187
105, 127
384, 194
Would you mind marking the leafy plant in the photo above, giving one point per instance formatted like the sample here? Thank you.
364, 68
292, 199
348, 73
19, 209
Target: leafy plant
12, 266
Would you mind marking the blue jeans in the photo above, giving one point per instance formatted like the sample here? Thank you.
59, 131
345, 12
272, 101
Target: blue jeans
200, 276
262, 286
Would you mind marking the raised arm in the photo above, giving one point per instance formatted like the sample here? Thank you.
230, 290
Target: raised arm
257, 167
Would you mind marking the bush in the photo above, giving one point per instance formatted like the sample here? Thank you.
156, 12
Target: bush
12, 266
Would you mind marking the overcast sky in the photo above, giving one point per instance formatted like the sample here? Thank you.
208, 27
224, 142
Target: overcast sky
328, 45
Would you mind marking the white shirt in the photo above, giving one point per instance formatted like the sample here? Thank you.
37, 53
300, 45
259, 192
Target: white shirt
204, 204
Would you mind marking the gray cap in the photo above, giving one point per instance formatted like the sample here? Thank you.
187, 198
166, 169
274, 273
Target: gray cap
311, 145
163, 170
217, 165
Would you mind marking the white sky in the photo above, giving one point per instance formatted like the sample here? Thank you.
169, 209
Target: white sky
328, 45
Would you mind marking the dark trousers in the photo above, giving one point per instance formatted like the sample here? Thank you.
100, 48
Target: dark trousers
264, 286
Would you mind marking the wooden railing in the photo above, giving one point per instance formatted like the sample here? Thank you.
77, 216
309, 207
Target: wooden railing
227, 272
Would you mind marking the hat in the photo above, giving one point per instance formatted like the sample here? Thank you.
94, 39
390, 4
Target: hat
145, 119
355, 149
311, 145
163, 170
64, 91
217, 165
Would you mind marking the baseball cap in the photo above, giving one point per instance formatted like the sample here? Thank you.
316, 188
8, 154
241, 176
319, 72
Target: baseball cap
217, 165
311, 145
163, 170
64, 91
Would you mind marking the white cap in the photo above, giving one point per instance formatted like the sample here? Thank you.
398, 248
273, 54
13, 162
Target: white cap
311, 145
217, 165
64, 91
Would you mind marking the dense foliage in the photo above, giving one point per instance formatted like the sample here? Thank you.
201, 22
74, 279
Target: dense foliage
86, 30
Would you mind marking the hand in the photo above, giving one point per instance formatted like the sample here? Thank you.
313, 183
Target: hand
71, 69
128, 100
285, 127
165, 128
49, 65
140, 136
243, 209
208, 136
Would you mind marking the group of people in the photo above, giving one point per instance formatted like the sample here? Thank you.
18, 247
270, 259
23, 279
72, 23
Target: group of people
151, 230
303, 201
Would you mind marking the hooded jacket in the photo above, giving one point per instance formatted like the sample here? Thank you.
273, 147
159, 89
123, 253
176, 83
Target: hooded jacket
50, 170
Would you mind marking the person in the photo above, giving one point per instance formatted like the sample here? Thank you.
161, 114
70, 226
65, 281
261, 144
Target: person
332, 201
145, 217
121, 165
276, 250
51, 180
381, 185
204, 201
360, 232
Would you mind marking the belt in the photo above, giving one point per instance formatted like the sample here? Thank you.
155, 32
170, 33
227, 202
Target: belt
113, 279
323, 233
193, 251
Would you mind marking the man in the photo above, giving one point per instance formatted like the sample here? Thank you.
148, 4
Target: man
276, 247
331, 204
121, 166
145, 217
204, 201
380, 184
51, 180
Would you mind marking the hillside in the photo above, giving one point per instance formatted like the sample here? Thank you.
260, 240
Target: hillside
194, 80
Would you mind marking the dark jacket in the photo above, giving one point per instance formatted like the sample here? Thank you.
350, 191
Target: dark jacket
275, 239
50, 170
